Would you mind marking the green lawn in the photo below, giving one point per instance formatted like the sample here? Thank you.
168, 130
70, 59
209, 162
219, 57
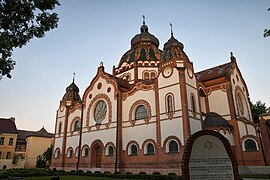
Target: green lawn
71, 178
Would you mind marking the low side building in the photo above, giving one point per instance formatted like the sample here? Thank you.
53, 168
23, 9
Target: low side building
8, 137
21, 145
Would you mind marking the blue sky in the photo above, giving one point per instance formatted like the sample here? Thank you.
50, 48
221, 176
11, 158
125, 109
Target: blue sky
101, 30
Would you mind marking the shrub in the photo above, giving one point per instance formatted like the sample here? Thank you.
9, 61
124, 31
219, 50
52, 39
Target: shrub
142, 172
171, 174
156, 173
97, 172
128, 172
117, 172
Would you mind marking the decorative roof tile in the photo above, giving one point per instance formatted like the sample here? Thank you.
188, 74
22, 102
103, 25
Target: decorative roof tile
214, 72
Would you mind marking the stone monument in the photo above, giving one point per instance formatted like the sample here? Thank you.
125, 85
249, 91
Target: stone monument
208, 156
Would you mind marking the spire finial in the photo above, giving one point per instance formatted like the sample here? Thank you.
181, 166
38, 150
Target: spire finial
73, 76
231, 54
143, 19
171, 29
101, 64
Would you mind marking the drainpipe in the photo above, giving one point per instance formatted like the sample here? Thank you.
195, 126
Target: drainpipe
117, 127
80, 139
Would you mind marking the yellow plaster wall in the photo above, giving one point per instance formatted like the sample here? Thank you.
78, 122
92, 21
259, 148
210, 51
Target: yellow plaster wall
35, 146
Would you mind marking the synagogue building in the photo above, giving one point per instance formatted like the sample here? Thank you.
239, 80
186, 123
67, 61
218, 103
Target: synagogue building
139, 117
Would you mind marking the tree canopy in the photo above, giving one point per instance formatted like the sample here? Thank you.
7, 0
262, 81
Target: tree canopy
20, 21
257, 108
267, 31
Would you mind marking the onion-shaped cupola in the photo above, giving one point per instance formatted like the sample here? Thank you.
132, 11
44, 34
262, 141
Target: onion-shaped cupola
173, 49
72, 94
144, 47
144, 37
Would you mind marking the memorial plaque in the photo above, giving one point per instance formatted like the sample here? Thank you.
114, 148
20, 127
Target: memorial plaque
206, 157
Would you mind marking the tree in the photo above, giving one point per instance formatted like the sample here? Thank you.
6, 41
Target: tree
257, 108
20, 21
267, 31
48, 154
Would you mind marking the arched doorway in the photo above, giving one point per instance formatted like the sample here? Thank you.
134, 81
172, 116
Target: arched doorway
96, 156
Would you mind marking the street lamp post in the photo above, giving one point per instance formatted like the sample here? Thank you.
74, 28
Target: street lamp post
259, 134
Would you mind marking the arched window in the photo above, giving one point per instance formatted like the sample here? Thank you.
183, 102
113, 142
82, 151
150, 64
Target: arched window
77, 152
193, 104
110, 151
77, 125
250, 145
85, 152
170, 103
146, 75
173, 147
240, 105
60, 128
153, 75
57, 154
133, 150
150, 149
70, 153
141, 112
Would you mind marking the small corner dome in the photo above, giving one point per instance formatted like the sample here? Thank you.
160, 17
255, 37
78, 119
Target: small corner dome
215, 120
73, 87
172, 42
72, 93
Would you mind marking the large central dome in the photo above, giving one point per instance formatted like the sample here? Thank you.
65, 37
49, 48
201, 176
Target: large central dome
144, 47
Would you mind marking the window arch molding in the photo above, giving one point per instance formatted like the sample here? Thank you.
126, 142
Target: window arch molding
85, 151
168, 140
169, 105
193, 104
145, 146
57, 153
72, 124
250, 144
133, 109
91, 109
129, 148
76, 152
107, 149
59, 128
241, 102
70, 152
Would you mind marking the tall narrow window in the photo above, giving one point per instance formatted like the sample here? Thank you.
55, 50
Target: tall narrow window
60, 128
2, 140
86, 151
70, 152
0, 154
10, 143
150, 148
146, 75
193, 104
141, 112
110, 151
170, 103
153, 75
134, 149
77, 125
